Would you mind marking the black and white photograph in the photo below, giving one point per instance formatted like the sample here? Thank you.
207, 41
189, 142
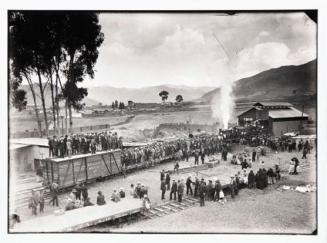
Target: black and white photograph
174, 122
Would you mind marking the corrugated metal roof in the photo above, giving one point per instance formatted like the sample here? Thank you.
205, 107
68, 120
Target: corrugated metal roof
242, 113
274, 104
30, 141
286, 113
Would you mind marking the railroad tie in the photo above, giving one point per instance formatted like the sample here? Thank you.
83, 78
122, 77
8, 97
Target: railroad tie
183, 204
194, 200
161, 210
156, 212
169, 208
190, 201
177, 206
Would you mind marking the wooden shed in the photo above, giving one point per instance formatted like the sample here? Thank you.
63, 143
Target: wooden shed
66, 172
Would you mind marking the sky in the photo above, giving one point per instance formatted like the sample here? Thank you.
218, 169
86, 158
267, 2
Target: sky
203, 49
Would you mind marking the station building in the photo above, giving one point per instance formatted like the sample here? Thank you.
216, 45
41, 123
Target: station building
278, 117
26, 153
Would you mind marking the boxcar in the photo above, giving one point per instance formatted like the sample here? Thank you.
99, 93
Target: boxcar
66, 172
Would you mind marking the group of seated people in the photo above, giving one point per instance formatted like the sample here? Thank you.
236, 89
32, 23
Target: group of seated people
242, 159
73, 203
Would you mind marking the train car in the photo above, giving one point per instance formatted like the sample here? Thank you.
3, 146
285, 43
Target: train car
69, 171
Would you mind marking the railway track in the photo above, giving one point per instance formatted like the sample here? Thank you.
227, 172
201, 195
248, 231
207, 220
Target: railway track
156, 211
169, 208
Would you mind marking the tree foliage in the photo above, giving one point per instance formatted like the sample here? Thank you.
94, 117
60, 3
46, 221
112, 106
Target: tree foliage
179, 98
164, 95
53, 45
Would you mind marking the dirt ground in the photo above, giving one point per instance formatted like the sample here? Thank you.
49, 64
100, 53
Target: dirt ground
252, 211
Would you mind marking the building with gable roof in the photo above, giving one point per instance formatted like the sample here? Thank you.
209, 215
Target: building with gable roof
278, 117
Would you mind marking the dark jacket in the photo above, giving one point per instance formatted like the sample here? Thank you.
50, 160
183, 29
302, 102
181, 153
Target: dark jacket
167, 179
174, 187
163, 185
101, 200
202, 190
180, 188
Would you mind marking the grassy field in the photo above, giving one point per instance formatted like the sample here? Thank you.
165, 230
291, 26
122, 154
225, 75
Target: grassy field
196, 114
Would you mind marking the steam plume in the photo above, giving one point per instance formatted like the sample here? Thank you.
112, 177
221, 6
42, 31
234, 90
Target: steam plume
222, 105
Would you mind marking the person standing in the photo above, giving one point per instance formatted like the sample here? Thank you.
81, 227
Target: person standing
251, 179
176, 167
202, 155
69, 147
297, 162
41, 201
217, 189
210, 191
188, 186
33, 202
54, 191
180, 190
232, 188
85, 193
50, 143
254, 155
196, 157
196, 186
236, 184
304, 152
168, 181
173, 190
202, 192
270, 174
163, 189
162, 175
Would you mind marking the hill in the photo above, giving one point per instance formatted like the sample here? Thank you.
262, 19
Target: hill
108, 94
150, 94
47, 95
276, 83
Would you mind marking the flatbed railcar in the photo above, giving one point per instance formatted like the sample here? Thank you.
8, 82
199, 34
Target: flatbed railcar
84, 168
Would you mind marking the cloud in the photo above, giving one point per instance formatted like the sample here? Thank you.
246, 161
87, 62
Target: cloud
152, 49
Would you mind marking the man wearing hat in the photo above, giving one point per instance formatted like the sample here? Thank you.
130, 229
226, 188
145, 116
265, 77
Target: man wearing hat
173, 190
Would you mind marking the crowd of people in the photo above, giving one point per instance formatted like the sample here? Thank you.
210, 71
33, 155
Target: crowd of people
198, 146
180, 149
212, 189
69, 145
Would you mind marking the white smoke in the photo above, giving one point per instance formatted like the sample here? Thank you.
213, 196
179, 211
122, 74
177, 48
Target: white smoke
222, 105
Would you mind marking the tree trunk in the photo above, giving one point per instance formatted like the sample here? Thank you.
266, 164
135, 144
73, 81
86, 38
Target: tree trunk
71, 78
53, 104
56, 66
70, 118
43, 103
57, 107
66, 116
36, 110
